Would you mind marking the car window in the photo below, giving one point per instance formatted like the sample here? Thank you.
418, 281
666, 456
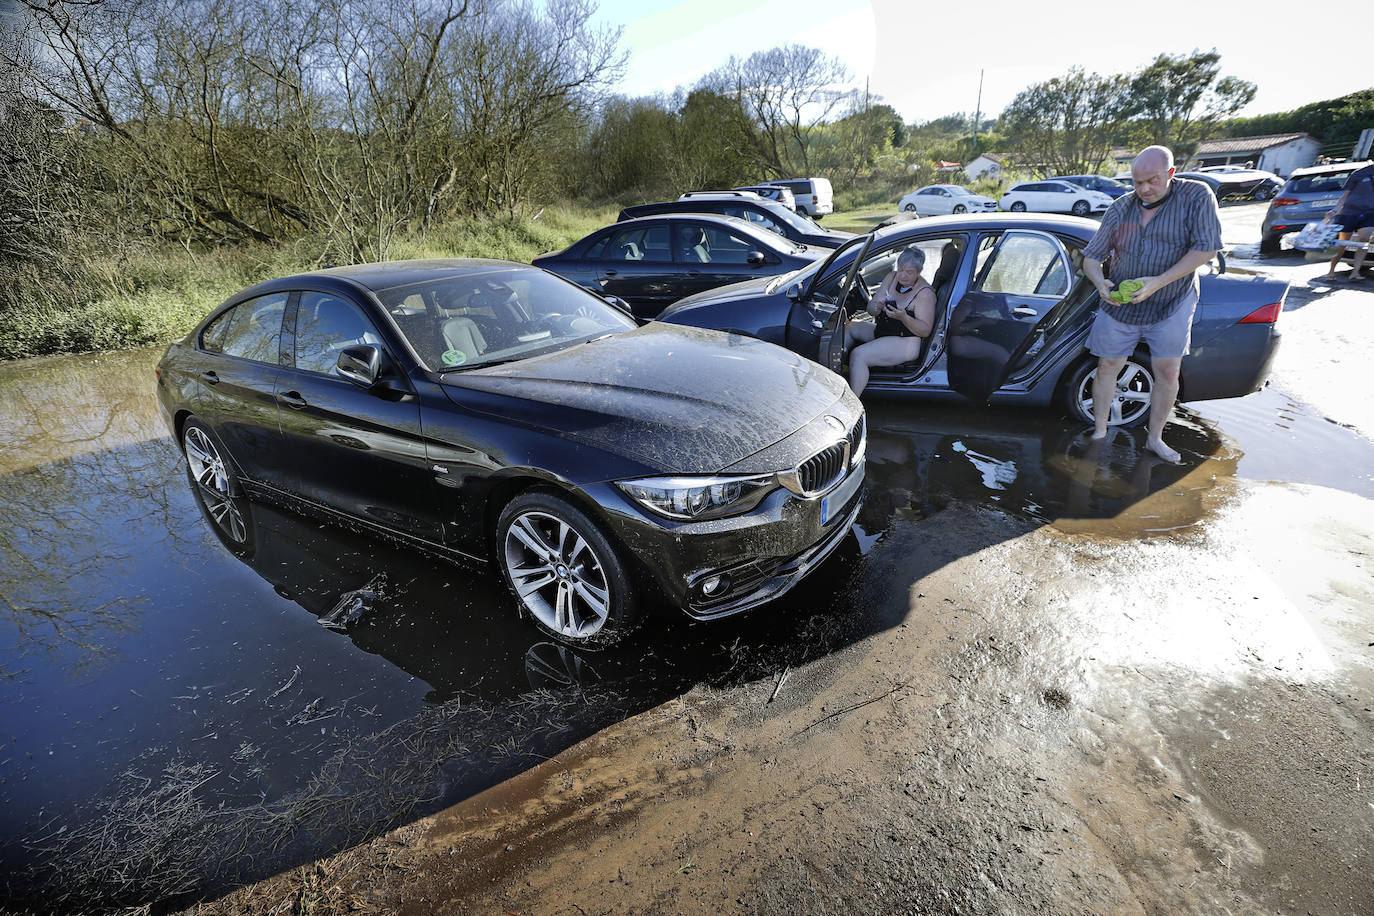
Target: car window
1026, 265
754, 216
701, 244
636, 243
477, 319
250, 330
325, 325
1318, 184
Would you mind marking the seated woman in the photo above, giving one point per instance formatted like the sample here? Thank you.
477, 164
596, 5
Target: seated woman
904, 309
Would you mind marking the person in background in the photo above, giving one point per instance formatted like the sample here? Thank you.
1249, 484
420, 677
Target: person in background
904, 309
1354, 211
1159, 235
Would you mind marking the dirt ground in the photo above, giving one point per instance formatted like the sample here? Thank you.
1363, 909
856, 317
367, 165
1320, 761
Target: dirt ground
1083, 717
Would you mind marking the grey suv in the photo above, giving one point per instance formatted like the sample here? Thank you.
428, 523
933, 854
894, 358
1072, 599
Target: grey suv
766, 214
1308, 195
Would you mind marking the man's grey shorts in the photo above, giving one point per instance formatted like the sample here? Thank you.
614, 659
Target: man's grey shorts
1169, 337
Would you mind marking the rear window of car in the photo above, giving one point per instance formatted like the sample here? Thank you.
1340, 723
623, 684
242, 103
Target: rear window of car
1317, 184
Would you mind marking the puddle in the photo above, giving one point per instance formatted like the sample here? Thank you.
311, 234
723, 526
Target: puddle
185, 706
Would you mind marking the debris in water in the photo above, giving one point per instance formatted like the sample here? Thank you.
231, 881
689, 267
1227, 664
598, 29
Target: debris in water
352, 606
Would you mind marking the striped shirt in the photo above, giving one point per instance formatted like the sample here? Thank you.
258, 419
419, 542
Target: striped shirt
1186, 221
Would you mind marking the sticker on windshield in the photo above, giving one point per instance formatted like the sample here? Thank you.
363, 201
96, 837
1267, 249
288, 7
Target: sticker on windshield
454, 357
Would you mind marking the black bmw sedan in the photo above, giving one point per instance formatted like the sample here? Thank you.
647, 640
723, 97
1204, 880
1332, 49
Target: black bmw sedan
653, 261
491, 411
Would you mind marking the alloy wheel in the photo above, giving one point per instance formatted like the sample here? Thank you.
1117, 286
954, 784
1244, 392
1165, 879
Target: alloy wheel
1131, 399
557, 574
211, 478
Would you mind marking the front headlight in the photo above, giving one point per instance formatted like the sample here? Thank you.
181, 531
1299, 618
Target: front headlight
697, 498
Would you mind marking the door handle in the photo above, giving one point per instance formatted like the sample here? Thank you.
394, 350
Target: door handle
693, 273
210, 376
1024, 311
609, 273
292, 399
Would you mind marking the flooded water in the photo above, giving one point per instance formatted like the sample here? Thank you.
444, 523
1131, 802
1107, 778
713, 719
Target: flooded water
175, 718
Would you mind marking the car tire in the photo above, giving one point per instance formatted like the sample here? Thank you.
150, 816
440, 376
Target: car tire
1080, 208
217, 489
1132, 407
1018, 207
565, 574
960, 208
1270, 243
910, 208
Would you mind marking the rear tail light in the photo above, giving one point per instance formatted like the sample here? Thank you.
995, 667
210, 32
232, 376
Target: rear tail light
1265, 314
1286, 201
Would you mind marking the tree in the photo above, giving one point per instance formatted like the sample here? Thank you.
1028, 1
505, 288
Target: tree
785, 92
1178, 100
1065, 125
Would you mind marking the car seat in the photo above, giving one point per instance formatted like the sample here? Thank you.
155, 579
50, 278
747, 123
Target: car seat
462, 334
696, 248
630, 252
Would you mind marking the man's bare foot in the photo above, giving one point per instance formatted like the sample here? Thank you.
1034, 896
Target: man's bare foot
1330, 278
1159, 448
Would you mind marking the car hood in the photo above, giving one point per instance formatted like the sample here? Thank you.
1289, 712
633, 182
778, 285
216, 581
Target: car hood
677, 399
747, 289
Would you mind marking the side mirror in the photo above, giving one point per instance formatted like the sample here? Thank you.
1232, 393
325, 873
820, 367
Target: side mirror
755, 258
619, 303
360, 364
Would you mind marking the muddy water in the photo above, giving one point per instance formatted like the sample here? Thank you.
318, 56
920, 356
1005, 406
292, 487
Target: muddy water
183, 706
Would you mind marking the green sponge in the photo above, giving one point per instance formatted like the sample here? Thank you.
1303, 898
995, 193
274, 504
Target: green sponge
1122, 294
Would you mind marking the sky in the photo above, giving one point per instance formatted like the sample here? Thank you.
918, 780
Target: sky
924, 59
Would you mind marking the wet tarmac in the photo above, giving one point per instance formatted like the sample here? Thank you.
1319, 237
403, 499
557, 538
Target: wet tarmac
176, 719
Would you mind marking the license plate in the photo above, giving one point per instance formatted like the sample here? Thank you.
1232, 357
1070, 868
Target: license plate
837, 499
1325, 202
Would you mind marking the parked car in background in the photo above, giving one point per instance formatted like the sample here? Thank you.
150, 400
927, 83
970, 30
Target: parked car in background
1053, 196
1012, 313
1234, 183
814, 196
773, 192
943, 199
1109, 186
1307, 196
768, 214
485, 410
653, 261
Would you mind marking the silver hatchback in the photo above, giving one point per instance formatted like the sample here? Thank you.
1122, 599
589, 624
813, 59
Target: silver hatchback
1308, 195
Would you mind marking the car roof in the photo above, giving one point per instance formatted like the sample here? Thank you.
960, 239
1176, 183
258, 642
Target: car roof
1330, 167
1077, 226
730, 222
684, 206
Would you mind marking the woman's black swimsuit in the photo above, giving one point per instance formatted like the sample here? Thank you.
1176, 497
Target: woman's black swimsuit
891, 327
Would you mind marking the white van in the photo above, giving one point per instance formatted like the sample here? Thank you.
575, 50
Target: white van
814, 195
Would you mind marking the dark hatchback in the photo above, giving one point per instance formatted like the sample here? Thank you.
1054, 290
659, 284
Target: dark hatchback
491, 411
654, 261
1013, 310
770, 215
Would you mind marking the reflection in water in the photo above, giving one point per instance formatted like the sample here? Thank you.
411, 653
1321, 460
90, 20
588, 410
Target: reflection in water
1037, 466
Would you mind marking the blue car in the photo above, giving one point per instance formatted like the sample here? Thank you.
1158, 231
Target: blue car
1012, 314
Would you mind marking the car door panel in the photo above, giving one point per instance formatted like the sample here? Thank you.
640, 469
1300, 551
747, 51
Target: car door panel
1026, 276
359, 451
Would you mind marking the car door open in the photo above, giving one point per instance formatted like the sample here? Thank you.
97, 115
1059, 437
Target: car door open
1027, 274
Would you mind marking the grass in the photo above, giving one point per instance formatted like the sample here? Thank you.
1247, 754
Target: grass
155, 294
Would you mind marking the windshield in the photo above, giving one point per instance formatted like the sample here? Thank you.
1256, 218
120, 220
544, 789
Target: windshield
795, 220
478, 319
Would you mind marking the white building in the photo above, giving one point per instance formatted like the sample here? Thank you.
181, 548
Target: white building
986, 165
1277, 153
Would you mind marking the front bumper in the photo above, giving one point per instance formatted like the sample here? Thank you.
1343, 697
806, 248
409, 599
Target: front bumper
760, 555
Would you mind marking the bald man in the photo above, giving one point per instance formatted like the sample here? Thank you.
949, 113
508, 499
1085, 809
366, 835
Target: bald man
1159, 235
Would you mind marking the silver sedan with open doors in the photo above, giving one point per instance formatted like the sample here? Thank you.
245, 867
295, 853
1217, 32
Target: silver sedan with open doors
1013, 309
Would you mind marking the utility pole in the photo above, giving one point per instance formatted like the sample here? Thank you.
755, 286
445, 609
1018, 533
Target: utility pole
978, 110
